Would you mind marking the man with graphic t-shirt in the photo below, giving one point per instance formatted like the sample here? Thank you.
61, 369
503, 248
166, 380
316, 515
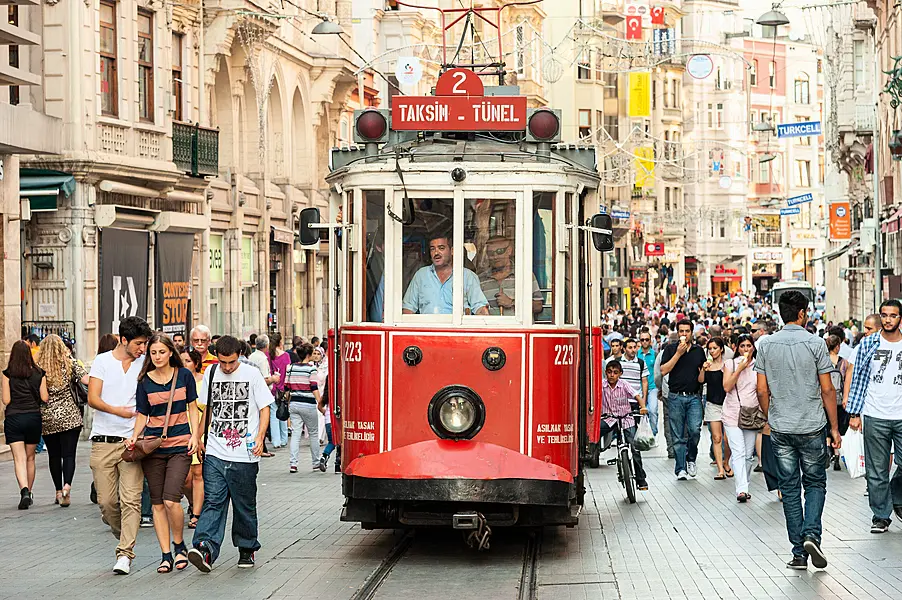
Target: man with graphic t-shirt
235, 423
876, 395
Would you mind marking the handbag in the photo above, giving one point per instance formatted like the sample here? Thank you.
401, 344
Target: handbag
145, 446
282, 410
79, 391
752, 418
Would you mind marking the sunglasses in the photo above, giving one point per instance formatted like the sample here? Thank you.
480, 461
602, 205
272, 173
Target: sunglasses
498, 251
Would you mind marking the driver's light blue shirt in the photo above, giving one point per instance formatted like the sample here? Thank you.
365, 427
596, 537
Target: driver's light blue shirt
427, 295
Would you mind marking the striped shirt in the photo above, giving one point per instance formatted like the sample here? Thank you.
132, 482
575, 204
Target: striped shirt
616, 401
300, 380
633, 371
209, 359
151, 400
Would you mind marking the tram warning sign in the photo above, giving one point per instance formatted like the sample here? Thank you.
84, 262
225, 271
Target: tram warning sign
459, 104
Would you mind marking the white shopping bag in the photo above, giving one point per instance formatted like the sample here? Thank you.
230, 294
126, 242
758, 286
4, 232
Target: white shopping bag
852, 452
645, 439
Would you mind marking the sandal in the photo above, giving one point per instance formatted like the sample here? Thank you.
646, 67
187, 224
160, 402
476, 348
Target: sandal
65, 500
720, 477
267, 455
181, 551
192, 521
743, 497
165, 563
728, 472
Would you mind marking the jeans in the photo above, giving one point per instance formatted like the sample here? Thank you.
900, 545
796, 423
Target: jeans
880, 436
224, 482
146, 506
629, 435
278, 430
686, 413
302, 412
804, 454
668, 438
327, 452
652, 406
742, 455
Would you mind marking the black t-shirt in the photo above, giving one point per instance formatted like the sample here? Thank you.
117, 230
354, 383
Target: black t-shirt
24, 393
684, 376
714, 392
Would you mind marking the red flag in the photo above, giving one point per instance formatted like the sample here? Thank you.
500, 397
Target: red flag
634, 28
657, 15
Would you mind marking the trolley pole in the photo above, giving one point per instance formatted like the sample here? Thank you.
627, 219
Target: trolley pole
875, 195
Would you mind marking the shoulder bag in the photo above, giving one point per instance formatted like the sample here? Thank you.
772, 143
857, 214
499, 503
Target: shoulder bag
145, 446
78, 390
283, 398
750, 417
208, 408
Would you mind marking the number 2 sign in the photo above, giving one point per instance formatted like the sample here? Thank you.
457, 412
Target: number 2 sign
459, 82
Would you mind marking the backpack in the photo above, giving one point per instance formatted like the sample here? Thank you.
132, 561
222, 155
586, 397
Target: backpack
838, 377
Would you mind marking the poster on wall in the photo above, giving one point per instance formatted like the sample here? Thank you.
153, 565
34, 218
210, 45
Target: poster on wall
124, 265
840, 221
173, 281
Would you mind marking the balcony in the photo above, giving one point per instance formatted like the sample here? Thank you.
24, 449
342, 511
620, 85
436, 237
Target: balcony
195, 149
864, 118
767, 239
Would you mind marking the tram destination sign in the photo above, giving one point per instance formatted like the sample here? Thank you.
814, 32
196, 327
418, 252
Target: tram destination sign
459, 104
804, 129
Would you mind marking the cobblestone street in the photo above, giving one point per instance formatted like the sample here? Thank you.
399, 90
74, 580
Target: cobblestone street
681, 540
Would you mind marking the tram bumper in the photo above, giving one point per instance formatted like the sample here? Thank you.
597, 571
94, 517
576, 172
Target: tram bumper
446, 471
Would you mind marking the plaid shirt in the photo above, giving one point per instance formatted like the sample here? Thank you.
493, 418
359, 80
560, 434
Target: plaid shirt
861, 373
616, 401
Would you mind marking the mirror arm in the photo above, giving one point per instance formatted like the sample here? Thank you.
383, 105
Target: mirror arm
595, 230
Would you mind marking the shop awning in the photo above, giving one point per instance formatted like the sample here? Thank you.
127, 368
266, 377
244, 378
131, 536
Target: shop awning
42, 187
835, 253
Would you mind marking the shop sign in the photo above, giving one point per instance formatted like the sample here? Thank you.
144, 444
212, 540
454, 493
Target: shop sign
724, 273
840, 221
173, 281
768, 256
216, 258
808, 128
247, 259
654, 249
803, 199
639, 88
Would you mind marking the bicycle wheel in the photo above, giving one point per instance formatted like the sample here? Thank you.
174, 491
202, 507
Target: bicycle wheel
629, 482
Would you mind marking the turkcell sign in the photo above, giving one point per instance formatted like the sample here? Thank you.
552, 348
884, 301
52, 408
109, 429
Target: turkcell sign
458, 113
620, 214
788, 130
790, 211
803, 199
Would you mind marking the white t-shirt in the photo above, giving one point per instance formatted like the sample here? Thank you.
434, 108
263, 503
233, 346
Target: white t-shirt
237, 399
119, 389
884, 399
261, 361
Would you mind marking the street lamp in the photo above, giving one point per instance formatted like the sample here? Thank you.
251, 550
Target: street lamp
327, 28
895, 144
773, 18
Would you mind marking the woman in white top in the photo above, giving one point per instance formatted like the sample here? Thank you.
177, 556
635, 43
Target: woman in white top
740, 383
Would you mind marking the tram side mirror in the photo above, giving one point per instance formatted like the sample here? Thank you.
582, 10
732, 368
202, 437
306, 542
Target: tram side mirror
308, 235
603, 242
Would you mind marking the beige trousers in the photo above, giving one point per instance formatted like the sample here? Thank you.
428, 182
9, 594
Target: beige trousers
119, 485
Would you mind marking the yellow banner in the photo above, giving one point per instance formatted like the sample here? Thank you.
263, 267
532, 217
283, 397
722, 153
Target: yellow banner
639, 94
645, 167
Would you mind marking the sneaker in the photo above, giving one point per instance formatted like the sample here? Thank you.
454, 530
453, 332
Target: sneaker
682, 476
837, 466
880, 525
200, 557
670, 456
25, 499
146, 522
338, 468
642, 486
123, 565
293, 469
245, 559
799, 563
813, 548
691, 469
758, 469
93, 495
322, 464
898, 510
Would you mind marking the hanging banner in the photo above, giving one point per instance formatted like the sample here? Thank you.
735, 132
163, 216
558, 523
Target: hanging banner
639, 94
645, 167
247, 259
634, 28
840, 221
173, 281
124, 266
216, 258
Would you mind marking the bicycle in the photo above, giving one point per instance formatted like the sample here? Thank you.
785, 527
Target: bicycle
624, 457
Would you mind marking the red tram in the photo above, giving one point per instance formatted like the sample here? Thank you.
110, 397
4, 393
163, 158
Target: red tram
464, 245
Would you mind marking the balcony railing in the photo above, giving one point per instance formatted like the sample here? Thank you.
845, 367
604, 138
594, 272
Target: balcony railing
864, 117
767, 239
195, 149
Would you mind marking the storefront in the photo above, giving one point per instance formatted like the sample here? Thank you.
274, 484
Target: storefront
691, 280
726, 279
767, 269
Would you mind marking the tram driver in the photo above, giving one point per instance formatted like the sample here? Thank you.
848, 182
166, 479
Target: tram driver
498, 280
430, 290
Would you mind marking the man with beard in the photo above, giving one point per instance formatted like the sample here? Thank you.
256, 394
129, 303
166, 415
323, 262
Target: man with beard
875, 397
430, 290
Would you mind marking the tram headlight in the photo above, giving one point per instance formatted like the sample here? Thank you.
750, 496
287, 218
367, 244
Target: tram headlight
456, 412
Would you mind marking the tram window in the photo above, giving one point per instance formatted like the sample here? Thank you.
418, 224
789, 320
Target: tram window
490, 247
543, 232
568, 260
427, 262
351, 258
374, 257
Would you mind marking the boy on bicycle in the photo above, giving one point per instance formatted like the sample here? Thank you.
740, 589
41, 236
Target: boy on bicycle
615, 400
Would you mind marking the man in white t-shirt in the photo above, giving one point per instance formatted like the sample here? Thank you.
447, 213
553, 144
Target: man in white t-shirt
235, 424
875, 394
111, 393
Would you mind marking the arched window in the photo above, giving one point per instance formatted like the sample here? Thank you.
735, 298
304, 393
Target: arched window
801, 88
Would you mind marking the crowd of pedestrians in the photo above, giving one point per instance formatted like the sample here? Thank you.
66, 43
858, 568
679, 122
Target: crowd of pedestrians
169, 421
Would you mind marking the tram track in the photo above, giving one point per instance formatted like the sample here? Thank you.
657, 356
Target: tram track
435, 565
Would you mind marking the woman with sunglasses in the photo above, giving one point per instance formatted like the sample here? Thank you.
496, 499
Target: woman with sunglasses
741, 384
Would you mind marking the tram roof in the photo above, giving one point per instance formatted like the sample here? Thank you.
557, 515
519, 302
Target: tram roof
483, 148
